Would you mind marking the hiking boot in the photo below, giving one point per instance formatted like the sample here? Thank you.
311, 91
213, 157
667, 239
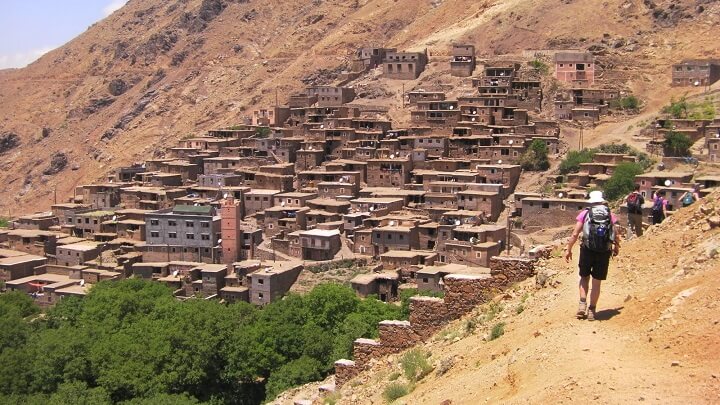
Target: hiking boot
581, 310
591, 314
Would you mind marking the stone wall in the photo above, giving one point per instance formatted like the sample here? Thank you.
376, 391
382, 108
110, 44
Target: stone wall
428, 314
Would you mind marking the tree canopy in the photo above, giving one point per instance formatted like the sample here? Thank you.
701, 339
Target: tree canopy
132, 342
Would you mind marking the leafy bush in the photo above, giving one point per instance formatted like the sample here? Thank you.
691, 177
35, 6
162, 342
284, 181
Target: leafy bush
536, 157
540, 66
642, 158
293, 373
4, 222
395, 390
629, 103
415, 365
262, 132
677, 109
622, 180
497, 331
677, 144
571, 163
693, 110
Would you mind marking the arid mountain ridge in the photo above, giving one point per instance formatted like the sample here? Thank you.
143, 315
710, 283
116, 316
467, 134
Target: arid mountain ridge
155, 71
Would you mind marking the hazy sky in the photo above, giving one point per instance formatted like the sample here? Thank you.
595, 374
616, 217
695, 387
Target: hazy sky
29, 28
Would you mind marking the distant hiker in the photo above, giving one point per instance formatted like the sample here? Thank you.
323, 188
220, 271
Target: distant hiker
690, 197
659, 209
635, 202
599, 241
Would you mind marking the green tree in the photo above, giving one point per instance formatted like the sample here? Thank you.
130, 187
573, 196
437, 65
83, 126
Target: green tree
296, 372
536, 157
677, 144
677, 109
622, 180
78, 393
571, 163
629, 103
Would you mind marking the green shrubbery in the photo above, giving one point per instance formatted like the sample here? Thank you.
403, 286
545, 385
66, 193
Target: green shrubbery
395, 390
536, 157
415, 365
677, 144
622, 180
693, 110
571, 163
540, 66
133, 341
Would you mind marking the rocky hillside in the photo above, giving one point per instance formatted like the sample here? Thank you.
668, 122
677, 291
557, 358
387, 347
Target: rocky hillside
655, 337
155, 71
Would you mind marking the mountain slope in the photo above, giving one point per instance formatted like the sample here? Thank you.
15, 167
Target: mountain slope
154, 71
655, 340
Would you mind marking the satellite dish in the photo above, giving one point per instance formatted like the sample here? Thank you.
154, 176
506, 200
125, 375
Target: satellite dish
457, 222
322, 126
282, 204
82, 283
560, 195
668, 183
499, 162
473, 240
510, 142
477, 167
372, 209
111, 180
697, 83
196, 204
225, 195
114, 218
392, 223
175, 273
392, 156
219, 241
473, 119
451, 107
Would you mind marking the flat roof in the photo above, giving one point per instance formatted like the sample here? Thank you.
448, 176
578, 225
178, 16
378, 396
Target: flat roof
376, 200
235, 289
320, 232
81, 246
47, 277
11, 253
9, 261
262, 191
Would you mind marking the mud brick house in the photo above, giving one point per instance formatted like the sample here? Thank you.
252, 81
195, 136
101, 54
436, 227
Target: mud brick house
471, 244
41, 221
577, 68
384, 285
320, 244
129, 173
219, 180
539, 212
370, 58
31, 241
462, 63
105, 195
62, 211
488, 202
330, 96
388, 172
404, 65
150, 198
15, 264
394, 234
713, 146
279, 219
77, 253
581, 104
647, 181
436, 113
406, 261
271, 283
86, 224
183, 233
257, 200
696, 72
337, 189
377, 206
130, 224
416, 96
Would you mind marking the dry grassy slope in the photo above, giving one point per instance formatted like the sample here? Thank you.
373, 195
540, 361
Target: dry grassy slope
659, 306
238, 59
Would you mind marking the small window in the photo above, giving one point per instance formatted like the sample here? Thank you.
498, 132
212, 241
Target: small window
189, 224
260, 295
546, 205
261, 281
154, 222
172, 223
425, 280
205, 236
172, 235
189, 236
205, 224
155, 234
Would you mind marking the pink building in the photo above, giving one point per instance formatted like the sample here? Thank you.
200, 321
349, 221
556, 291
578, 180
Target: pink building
577, 68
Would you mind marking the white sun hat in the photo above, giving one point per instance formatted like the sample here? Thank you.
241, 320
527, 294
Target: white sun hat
596, 197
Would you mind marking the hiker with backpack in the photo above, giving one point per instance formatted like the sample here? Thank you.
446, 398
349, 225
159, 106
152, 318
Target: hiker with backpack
659, 209
690, 197
635, 202
596, 224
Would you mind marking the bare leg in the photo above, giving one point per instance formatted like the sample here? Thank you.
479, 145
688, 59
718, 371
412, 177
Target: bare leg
595, 292
583, 286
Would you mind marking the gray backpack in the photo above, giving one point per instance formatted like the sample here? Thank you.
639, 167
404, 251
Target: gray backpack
598, 230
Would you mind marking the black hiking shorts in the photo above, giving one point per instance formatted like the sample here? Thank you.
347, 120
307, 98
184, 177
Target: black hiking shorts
593, 263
